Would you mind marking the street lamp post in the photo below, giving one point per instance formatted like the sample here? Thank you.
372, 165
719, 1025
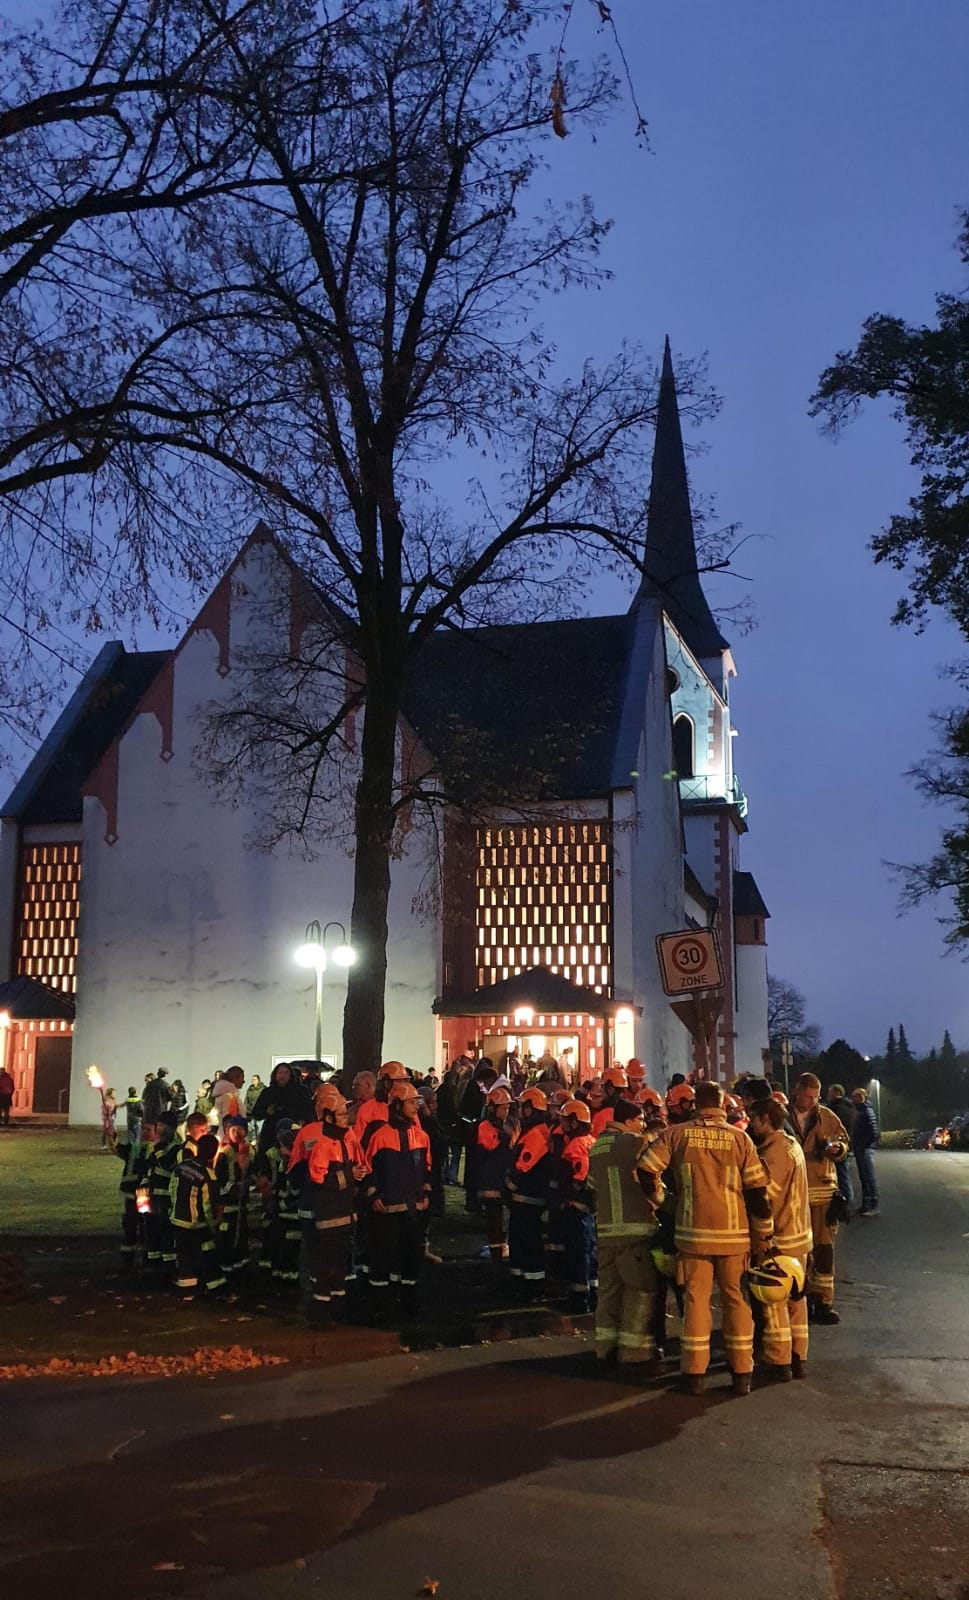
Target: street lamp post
313, 953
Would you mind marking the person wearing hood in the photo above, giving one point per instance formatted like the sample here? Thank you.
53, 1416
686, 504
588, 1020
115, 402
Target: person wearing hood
283, 1096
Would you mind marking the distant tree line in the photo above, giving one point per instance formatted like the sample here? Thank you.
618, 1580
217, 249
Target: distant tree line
913, 1091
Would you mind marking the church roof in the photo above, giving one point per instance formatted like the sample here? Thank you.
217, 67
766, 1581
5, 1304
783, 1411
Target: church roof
747, 898
537, 704
50, 789
670, 573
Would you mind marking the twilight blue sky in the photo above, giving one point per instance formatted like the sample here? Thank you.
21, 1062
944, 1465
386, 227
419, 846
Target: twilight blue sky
806, 167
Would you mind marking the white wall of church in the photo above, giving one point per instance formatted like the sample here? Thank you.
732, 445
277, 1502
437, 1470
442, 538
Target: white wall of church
653, 844
188, 932
751, 1012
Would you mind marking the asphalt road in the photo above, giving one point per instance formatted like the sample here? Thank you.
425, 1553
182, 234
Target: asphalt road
517, 1470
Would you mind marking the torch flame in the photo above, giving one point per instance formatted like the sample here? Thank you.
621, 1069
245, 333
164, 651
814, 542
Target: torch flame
94, 1078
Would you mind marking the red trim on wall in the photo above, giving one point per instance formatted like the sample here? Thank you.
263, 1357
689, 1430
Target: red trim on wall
214, 618
102, 783
303, 609
159, 699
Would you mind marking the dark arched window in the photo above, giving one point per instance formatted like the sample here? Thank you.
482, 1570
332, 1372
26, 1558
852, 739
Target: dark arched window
683, 746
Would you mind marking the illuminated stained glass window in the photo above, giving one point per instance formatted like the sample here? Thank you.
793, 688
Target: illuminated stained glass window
50, 880
543, 899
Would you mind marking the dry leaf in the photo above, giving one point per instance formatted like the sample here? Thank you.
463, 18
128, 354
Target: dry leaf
57, 1299
299, 1562
430, 1586
168, 1566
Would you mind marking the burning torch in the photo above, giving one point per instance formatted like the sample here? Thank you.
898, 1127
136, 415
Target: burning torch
96, 1079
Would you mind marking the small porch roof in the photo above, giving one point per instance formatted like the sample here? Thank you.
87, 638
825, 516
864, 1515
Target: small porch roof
537, 990
27, 1000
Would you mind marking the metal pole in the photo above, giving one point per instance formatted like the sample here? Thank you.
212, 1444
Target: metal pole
319, 1014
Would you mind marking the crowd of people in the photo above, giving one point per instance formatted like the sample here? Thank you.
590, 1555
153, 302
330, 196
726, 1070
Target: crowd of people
604, 1194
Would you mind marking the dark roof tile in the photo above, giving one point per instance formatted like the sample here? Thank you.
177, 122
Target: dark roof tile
535, 705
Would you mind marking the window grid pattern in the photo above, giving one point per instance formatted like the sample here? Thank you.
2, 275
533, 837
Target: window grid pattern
50, 881
543, 899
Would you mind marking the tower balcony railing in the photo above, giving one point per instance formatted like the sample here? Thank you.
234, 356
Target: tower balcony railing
713, 787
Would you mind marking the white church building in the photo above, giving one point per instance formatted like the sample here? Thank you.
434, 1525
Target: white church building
141, 925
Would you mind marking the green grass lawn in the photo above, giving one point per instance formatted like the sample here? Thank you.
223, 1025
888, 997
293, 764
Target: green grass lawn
57, 1181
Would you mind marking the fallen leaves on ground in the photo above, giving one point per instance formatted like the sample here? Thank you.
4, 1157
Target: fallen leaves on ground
202, 1363
430, 1586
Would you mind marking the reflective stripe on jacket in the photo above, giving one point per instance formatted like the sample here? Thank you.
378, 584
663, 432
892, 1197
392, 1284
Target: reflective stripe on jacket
621, 1207
787, 1190
821, 1127
529, 1176
495, 1146
721, 1187
400, 1166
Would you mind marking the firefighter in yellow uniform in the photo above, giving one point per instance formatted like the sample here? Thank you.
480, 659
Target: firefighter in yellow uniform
823, 1139
722, 1216
785, 1324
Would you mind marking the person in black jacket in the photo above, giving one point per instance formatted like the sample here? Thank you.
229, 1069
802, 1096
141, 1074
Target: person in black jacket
283, 1096
864, 1137
846, 1110
471, 1108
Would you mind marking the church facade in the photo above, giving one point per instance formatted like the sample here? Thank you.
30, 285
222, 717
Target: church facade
144, 924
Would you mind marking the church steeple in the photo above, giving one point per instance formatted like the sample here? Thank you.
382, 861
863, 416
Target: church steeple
671, 575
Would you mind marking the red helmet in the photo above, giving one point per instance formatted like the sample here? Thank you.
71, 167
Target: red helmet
328, 1098
393, 1069
534, 1098
635, 1072
645, 1096
616, 1076
577, 1109
681, 1094
403, 1089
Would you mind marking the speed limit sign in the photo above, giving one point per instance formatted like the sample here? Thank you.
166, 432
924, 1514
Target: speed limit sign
689, 960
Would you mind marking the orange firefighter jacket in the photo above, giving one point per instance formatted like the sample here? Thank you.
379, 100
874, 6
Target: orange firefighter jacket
721, 1187
787, 1190
820, 1127
529, 1176
601, 1119
368, 1119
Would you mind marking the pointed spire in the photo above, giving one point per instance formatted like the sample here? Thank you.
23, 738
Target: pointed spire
671, 575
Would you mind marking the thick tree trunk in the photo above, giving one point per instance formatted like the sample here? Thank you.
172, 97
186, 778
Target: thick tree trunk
363, 1019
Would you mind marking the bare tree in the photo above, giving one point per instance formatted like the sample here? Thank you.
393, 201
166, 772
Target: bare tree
786, 1012
116, 121
351, 350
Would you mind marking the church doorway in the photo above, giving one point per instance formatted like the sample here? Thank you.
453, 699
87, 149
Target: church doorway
52, 1072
